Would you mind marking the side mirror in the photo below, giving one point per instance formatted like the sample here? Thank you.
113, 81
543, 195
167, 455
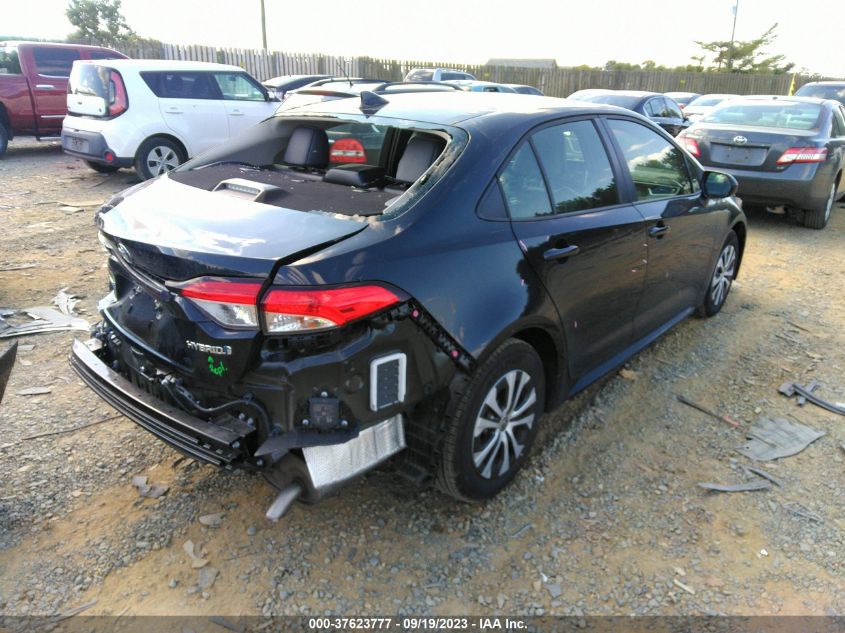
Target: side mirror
716, 184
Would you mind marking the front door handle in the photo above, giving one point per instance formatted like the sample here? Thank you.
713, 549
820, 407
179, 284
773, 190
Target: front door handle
554, 254
45, 86
173, 110
658, 231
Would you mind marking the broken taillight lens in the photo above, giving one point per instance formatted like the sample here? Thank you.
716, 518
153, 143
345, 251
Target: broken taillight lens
293, 310
230, 303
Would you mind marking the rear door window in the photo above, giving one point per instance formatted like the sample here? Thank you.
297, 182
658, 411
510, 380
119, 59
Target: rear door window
54, 62
672, 110
181, 85
839, 121
576, 167
10, 64
238, 87
523, 186
658, 168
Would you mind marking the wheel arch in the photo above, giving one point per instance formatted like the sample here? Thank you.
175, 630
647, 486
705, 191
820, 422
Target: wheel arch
4, 120
169, 137
741, 231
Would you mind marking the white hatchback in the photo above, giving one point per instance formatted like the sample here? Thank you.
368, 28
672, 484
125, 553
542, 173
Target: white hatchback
154, 114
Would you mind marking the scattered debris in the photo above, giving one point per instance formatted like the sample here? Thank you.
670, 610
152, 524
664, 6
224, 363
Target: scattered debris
206, 577
82, 203
7, 361
798, 510
69, 209
8, 267
44, 319
522, 530
811, 387
795, 325
712, 414
34, 391
686, 588
212, 520
764, 552
65, 302
628, 374
680, 571
75, 610
773, 438
757, 484
789, 389
762, 473
150, 491
196, 561
227, 624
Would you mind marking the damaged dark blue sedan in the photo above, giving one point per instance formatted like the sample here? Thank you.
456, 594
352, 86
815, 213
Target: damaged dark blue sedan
276, 309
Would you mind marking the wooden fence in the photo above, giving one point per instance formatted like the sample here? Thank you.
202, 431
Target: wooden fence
555, 82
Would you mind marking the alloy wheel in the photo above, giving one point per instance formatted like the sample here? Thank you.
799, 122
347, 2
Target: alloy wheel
723, 275
162, 159
503, 424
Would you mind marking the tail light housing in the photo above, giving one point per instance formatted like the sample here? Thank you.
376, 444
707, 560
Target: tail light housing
288, 310
118, 101
692, 146
803, 155
347, 150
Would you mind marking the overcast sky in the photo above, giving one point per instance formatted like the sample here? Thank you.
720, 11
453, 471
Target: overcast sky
572, 32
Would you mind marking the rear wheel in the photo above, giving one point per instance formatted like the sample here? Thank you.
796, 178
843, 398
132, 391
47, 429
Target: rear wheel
156, 156
103, 169
491, 432
819, 218
4, 138
722, 278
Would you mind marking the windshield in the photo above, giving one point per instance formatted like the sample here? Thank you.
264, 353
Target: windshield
622, 101
9, 62
778, 114
823, 92
90, 80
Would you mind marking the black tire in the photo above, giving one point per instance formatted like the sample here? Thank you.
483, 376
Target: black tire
458, 474
100, 168
158, 151
818, 218
723, 274
4, 138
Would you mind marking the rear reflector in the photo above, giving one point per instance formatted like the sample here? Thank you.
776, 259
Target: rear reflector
230, 303
692, 146
347, 150
803, 155
289, 310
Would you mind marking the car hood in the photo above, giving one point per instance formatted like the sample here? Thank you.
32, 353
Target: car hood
176, 231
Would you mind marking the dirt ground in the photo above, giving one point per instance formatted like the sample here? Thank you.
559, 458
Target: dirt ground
607, 519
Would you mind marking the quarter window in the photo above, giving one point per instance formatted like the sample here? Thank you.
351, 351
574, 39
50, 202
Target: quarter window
576, 166
237, 87
657, 167
523, 186
9, 62
54, 62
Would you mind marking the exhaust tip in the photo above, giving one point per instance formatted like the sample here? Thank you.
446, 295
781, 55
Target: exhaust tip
283, 502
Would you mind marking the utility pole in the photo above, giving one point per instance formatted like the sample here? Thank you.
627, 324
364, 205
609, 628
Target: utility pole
733, 32
264, 25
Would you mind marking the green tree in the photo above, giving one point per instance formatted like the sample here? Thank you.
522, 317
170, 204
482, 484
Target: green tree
746, 56
98, 22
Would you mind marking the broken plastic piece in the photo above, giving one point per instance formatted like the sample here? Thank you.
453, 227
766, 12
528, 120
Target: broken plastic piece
776, 438
44, 320
283, 502
789, 389
758, 484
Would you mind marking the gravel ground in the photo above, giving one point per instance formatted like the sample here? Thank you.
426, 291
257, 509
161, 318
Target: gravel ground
606, 519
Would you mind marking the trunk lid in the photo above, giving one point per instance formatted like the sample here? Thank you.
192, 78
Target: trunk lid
748, 147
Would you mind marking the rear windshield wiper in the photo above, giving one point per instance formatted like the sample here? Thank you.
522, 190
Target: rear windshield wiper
229, 162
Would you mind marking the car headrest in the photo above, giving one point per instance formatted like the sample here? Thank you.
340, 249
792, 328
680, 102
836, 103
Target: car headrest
420, 152
307, 147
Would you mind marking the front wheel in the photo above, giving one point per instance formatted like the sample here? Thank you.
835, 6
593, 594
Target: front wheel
156, 156
722, 278
819, 218
490, 434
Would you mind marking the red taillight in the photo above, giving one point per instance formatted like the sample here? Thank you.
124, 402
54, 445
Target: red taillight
230, 303
290, 310
347, 150
692, 146
803, 155
118, 103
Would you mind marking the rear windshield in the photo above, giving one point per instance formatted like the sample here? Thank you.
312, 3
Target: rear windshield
89, 80
823, 92
617, 100
777, 114
9, 62
707, 101
422, 75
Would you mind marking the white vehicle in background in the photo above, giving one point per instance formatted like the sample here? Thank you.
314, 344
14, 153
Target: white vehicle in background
437, 74
702, 105
154, 115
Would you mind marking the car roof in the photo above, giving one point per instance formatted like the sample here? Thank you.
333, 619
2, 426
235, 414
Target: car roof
161, 64
835, 84
792, 99
54, 45
470, 109
282, 79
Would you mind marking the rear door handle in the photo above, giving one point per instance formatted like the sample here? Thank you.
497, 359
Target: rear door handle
554, 254
173, 110
236, 113
45, 86
658, 231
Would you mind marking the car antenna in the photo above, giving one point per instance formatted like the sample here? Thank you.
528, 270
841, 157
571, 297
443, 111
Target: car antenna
343, 70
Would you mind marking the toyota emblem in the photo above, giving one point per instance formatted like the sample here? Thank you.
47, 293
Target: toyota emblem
740, 140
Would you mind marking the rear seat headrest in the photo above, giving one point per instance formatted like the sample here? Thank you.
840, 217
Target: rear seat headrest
307, 147
420, 152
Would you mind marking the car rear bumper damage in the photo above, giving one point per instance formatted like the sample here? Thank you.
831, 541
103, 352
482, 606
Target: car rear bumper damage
320, 467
